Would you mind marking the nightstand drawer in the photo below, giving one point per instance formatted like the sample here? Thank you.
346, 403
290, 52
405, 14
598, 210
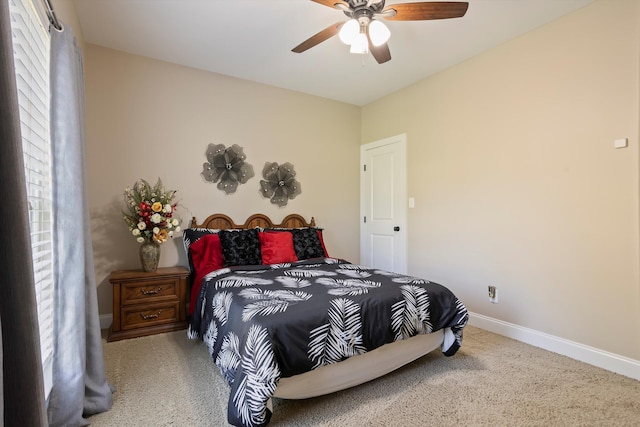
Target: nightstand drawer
150, 315
149, 291
146, 303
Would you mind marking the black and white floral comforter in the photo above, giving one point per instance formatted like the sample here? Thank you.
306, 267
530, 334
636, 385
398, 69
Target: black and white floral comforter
263, 323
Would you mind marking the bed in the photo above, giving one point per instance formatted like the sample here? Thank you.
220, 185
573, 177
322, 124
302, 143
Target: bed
281, 318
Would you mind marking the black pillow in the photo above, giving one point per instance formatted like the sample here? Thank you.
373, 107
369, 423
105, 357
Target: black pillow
306, 243
240, 247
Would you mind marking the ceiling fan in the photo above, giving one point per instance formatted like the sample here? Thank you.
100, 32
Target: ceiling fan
365, 33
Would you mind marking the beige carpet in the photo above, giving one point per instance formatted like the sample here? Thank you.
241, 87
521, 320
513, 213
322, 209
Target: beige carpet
168, 380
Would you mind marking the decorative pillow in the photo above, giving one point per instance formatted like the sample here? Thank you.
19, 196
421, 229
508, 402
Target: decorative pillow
277, 247
240, 247
206, 254
324, 248
307, 244
192, 235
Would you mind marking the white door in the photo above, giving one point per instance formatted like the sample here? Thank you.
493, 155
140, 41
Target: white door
382, 204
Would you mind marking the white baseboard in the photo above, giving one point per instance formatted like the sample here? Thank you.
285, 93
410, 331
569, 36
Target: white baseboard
593, 356
105, 320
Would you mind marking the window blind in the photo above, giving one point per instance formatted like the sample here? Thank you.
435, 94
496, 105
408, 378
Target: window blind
31, 55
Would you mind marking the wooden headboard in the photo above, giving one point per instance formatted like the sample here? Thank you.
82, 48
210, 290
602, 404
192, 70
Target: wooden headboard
223, 222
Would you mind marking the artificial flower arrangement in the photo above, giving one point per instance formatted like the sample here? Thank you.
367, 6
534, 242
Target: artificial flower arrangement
150, 212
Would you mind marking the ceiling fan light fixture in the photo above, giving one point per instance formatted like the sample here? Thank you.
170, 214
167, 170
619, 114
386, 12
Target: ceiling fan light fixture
349, 31
379, 33
360, 45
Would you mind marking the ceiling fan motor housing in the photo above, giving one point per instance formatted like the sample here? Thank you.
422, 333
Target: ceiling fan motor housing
362, 8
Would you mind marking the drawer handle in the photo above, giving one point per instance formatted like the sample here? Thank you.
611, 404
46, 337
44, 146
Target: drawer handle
151, 291
150, 316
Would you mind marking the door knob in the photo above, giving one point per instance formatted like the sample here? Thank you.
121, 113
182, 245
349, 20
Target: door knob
396, 228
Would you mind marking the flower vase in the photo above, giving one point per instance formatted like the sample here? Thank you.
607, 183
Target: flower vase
149, 255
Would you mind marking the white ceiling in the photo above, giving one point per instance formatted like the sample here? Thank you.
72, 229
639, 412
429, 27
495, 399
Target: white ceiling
252, 40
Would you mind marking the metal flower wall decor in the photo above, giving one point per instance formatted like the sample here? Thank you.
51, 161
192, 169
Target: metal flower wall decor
279, 183
227, 167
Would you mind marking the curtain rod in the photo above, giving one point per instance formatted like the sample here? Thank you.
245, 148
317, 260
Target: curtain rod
51, 14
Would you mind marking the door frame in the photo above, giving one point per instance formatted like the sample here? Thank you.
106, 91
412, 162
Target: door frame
401, 140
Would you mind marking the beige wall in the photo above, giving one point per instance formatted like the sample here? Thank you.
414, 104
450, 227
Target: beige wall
150, 119
517, 183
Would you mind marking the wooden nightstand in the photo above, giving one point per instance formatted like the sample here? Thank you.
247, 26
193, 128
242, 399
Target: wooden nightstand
148, 303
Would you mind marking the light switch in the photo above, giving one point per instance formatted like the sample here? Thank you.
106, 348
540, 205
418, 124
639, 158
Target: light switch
620, 143
412, 202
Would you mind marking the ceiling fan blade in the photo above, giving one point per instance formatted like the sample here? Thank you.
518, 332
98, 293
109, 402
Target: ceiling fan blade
426, 10
331, 3
318, 38
380, 53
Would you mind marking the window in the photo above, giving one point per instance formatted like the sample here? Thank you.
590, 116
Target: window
31, 54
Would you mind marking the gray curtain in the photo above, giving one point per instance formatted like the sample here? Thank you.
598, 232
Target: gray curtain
22, 389
80, 387
1, 386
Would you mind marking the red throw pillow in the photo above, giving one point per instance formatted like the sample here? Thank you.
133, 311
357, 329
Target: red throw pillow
277, 247
206, 254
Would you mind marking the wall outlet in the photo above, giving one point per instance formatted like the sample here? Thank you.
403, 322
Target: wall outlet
493, 294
